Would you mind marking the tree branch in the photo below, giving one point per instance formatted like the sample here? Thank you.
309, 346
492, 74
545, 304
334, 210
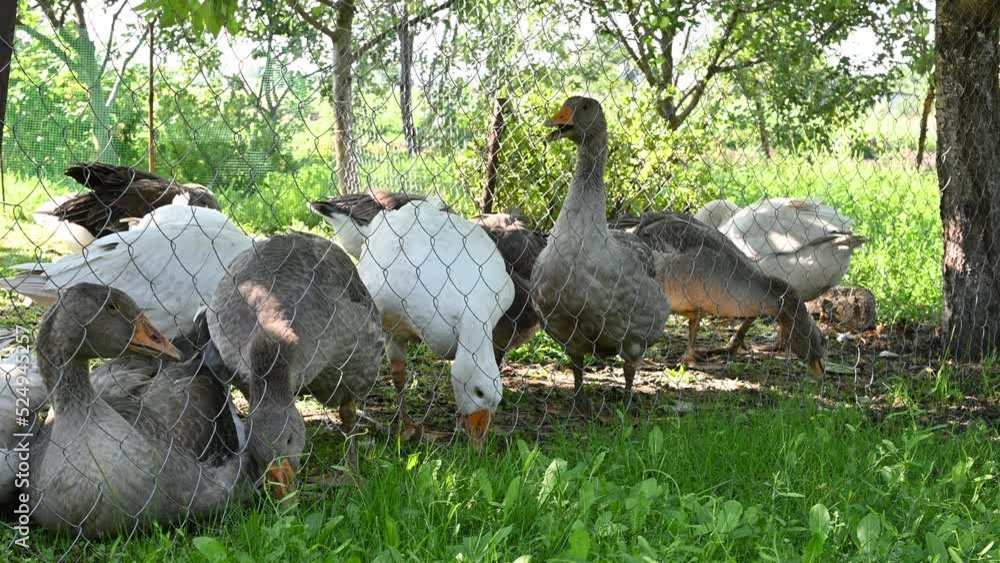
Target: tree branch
80, 19
121, 75
51, 45
313, 22
667, 51
111, 38
637, 31
390, 32
719, 69
50, 14
693, 96
619, 34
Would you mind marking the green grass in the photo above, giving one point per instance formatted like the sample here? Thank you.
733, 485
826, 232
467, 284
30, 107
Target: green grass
791, 482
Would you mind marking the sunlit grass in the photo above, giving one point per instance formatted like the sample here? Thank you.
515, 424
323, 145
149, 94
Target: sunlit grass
785, 483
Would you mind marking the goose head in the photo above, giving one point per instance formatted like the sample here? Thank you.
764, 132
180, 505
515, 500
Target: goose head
276, 440
200, 196
96, 321
348, 227
579, 119
276, 429
808, 342
475, 379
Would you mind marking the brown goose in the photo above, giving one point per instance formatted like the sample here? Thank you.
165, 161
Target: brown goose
108, 462
801, 241
117, 194
293, 316
704, 273
595, 289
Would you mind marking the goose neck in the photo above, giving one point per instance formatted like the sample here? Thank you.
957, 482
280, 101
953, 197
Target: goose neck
66, 375
586, 204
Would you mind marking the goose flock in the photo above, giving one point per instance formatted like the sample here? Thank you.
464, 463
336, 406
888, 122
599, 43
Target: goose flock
185, 306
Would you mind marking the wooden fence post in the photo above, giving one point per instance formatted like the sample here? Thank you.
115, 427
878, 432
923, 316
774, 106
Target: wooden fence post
493, 156
150, 156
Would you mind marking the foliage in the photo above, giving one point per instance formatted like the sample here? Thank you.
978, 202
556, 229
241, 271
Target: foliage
788, 482
207, 16
776, 54
649, 166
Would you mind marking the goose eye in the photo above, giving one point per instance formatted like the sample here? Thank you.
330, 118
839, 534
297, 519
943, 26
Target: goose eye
112, 306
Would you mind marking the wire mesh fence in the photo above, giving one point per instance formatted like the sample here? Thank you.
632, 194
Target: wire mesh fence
543, 213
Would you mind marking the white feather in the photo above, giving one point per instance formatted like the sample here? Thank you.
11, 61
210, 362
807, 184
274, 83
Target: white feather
75, 236
801, 241
439, 278
169, 263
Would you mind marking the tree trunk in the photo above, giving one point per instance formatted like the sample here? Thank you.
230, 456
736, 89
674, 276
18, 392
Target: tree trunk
760, 119
968, 160
406, 82
343, 53
493, 157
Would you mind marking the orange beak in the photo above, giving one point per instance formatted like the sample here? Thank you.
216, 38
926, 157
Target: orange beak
149, 341
563, 117
281, 479
477, 423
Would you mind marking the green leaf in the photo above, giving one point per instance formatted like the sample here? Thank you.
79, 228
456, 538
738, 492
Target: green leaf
728, 517
412, 461
511, 496
485, 485
314, 522
579, 541
936, 546
391, 532
551, 479
819, 520
655, 440
868, 532
814, 549
211, 548
587, 496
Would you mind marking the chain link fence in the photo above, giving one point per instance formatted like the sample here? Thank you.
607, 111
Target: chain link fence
174, 165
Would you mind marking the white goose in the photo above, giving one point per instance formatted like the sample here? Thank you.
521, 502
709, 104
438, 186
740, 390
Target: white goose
169, 262
438, 278
800, 241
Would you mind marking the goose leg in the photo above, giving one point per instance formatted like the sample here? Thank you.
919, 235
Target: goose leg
408, 428
737, 341
629, 372
581, 404
691, 356
778, 346
348, 419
